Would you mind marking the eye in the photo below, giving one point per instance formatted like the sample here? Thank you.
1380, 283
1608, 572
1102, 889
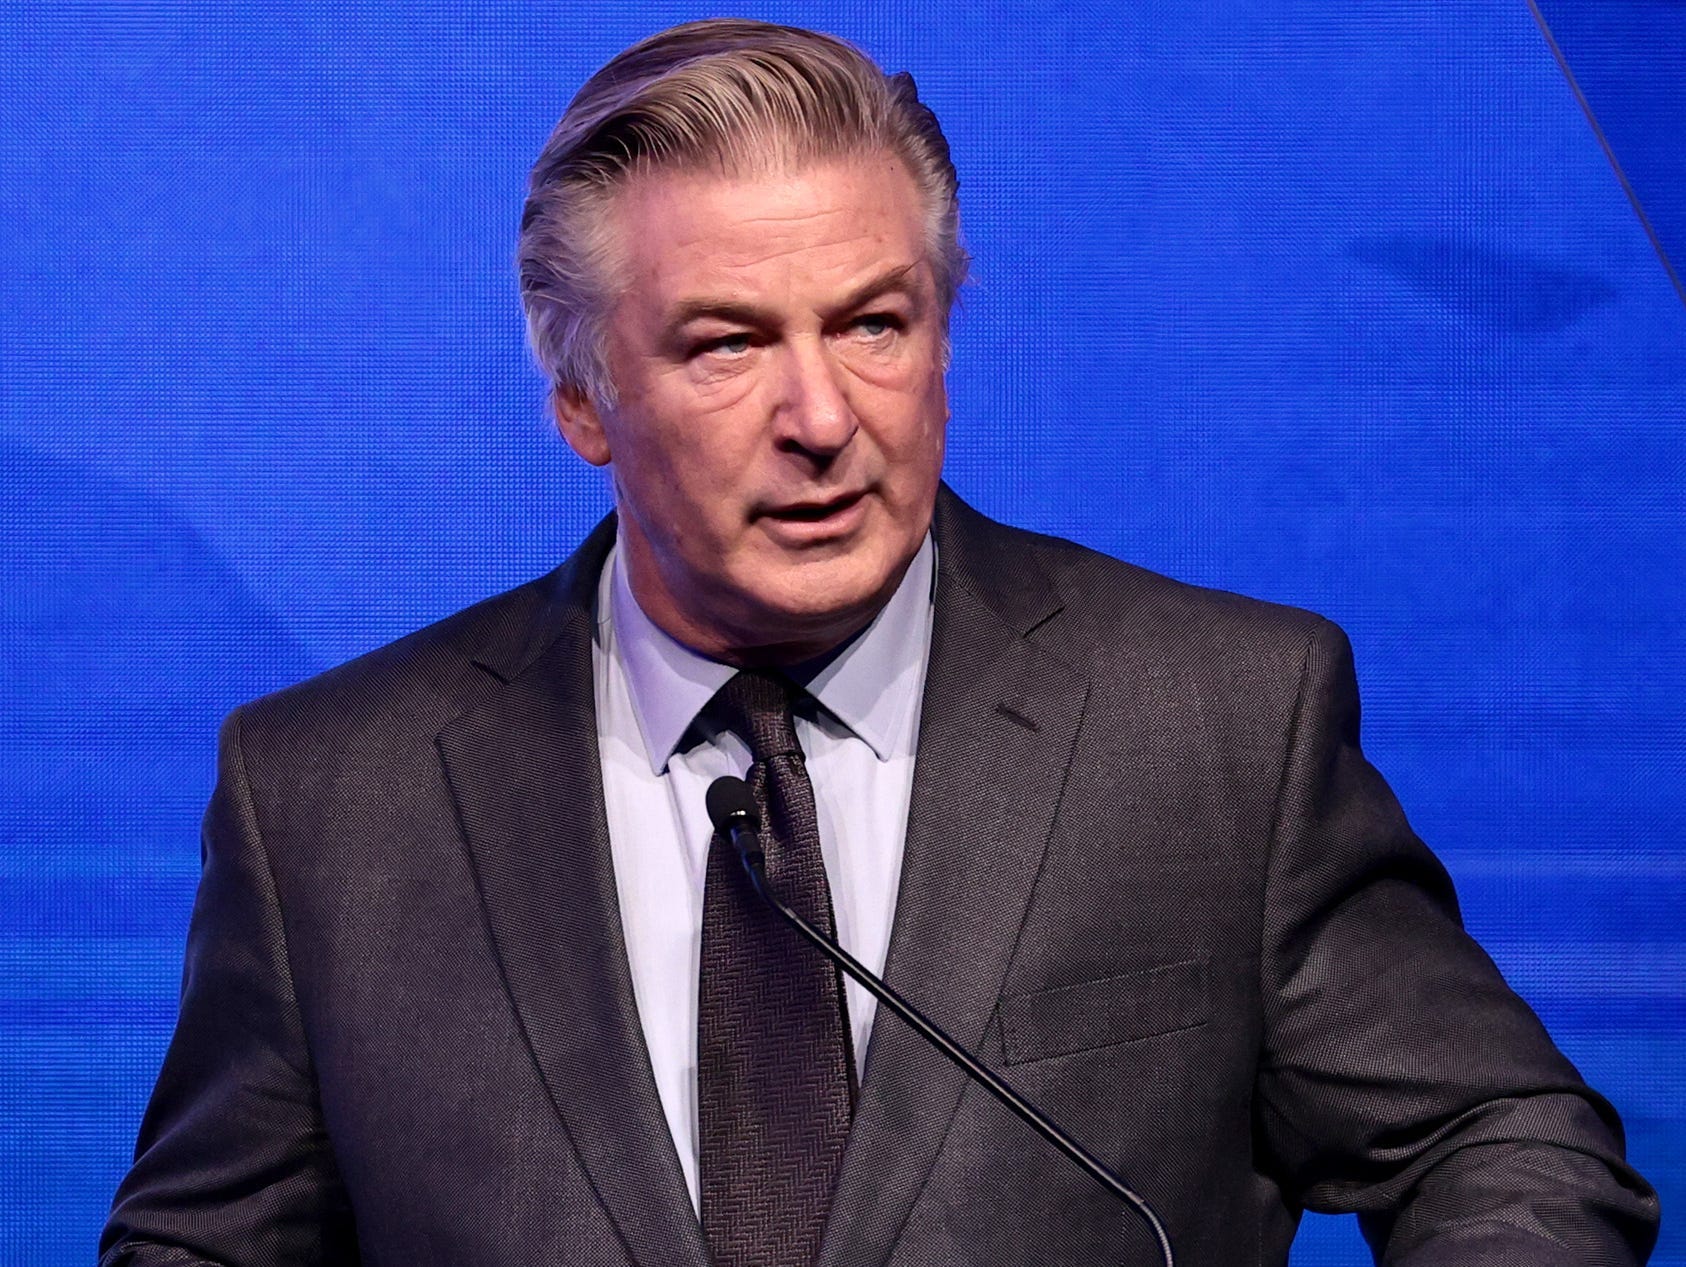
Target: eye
875, 325
726, 345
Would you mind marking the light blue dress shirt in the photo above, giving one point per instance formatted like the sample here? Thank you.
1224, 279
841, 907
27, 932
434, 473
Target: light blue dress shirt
859, 747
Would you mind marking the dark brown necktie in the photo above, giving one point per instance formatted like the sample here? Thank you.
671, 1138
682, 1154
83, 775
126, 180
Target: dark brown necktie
775, 1075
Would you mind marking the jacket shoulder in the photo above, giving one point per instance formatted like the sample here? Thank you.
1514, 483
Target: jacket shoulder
414, 684
1074, 597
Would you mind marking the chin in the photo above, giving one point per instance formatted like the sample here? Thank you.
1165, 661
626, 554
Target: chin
842, 585
816, 611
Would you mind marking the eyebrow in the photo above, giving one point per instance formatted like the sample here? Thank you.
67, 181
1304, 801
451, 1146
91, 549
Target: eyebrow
890, 281
735, 312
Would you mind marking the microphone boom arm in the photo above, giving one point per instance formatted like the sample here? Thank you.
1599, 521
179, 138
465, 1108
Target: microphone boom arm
745, 839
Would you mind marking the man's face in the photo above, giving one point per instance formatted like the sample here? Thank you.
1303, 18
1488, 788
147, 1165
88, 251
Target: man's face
777, 347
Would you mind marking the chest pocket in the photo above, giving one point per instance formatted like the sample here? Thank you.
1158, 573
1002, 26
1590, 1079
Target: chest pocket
1121, 1009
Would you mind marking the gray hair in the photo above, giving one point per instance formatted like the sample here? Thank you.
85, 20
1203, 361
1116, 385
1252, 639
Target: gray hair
729, 95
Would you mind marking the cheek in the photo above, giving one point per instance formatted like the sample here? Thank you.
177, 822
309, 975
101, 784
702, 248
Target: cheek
909, 408
924, 429
678, 446
731, 388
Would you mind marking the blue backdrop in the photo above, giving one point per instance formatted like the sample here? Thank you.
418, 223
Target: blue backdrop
1337, 304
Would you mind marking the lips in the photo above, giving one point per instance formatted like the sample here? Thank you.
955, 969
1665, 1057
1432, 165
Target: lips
816, 522
811, 512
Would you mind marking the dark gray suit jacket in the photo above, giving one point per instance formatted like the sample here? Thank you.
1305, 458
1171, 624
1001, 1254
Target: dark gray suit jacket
1148, 876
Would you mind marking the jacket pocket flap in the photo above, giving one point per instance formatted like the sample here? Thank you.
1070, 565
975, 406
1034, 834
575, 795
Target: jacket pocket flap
1076, 1018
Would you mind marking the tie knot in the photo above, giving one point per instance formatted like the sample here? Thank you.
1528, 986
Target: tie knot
756, 706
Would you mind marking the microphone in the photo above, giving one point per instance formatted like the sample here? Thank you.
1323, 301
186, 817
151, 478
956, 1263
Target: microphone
732, 809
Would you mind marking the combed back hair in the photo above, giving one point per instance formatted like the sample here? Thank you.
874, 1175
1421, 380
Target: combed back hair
727, 95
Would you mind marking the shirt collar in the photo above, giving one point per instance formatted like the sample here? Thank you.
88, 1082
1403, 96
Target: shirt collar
870, 686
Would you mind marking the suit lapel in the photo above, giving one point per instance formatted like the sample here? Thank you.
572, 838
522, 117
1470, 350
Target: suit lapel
997, 728
999, 721
523, 770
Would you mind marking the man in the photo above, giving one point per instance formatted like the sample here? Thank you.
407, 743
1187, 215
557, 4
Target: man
469, 980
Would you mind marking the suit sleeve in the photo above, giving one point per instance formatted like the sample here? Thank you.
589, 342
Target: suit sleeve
1401, 1079
233, 1164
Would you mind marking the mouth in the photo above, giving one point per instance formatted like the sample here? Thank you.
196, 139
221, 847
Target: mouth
814, 512
816, 521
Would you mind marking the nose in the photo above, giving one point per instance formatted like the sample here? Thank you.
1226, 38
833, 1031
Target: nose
814, 415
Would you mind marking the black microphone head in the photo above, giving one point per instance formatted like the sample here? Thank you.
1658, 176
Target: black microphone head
730, 803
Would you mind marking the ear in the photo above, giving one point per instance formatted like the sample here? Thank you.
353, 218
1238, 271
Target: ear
581, 426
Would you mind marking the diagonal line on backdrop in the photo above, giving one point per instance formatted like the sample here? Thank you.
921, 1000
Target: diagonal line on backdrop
1609, 153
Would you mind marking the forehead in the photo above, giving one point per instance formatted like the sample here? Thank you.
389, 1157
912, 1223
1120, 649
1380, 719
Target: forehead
809, 226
